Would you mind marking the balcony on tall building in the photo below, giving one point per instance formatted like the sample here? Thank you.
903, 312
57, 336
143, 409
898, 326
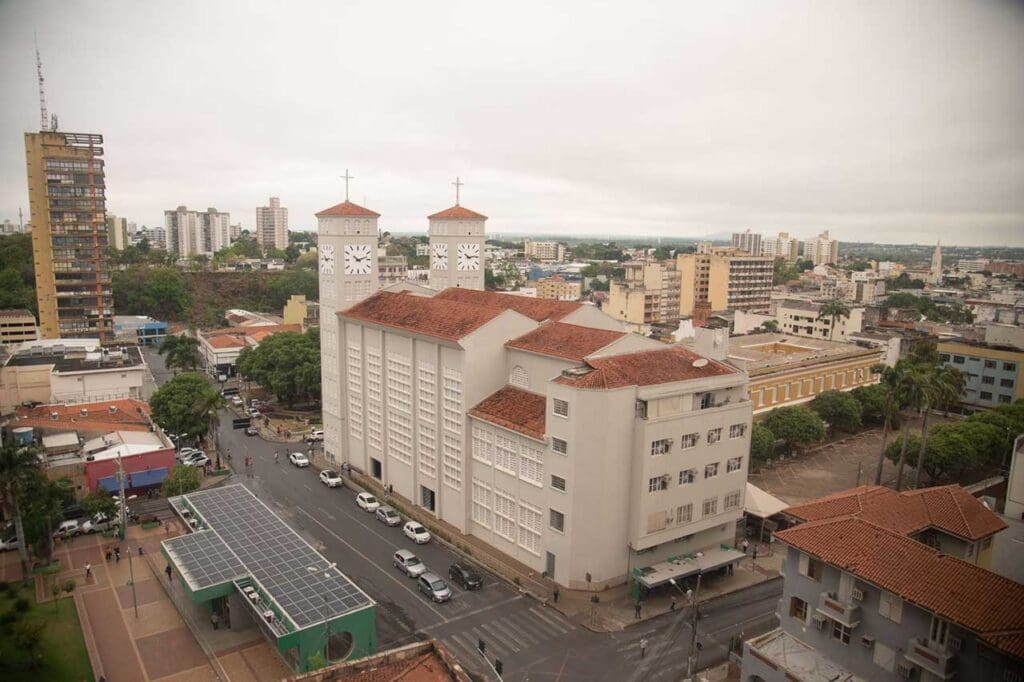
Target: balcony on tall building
936, 660
847, 613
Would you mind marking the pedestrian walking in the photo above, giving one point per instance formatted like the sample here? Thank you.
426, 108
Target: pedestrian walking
745, 545
672, 606
117, 554
140, 550
643, 647
88, 570
636, 610
168, 571
109, 554
276, 455
555, 593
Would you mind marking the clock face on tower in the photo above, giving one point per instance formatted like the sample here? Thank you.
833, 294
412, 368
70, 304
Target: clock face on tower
327, 259
469, 257
439, 259
357, 259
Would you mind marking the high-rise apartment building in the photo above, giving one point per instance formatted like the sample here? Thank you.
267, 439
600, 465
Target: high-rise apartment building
557, 288
544, 251
67, 204
782, 246
117, 232
822, 249
192, 233
724, 279
648, 294
747, 241
272, 225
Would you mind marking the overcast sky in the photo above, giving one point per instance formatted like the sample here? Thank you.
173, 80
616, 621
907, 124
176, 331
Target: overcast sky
881, 121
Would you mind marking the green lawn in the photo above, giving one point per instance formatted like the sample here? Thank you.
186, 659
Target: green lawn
62, 650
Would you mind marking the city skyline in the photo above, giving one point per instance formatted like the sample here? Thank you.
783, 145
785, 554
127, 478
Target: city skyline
879, 124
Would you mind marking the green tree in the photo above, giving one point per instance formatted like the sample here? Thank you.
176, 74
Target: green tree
917, 391
940, 385
17, 465
182, 480
770, 326
293, 281
873, 403
181, 405
833, 311
783, 272
307, 261
44, 500
14, 293
795, 425
894, 379
99, 503
180, 352
839, 409
287, 364
762, 443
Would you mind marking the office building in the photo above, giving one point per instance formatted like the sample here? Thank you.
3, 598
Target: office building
67, 203
822, 250
17, 326
557, 288
748, 242
117, 232
965, 265
782, 246
547, 252
994, 374
724, 279
272, 225
195, 233
887, 586
648, 294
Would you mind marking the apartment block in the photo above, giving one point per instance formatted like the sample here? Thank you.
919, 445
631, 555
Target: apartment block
782, 246
800, 318
995, 374
17, 326
557, 288
647, 295
272, 225
117, 232
67, 204
747, 242
549, 252
882, 586
724, 279
822, 250
193, 233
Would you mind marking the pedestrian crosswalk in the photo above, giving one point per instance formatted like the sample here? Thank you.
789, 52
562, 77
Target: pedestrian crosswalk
664, 658
508, 635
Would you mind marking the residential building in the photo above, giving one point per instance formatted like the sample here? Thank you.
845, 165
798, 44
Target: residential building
423, 249
219, 349
1013, 267
67, 203
156, 236
994, 374
558, 288
789, 370
896, 342
723, 279
193, 233
1005, 335
868, 596
782, 246
8, 227
17, 326
71, 371
457, 248
299, 311
1015, 481
140, 329
647, 295
117, 232
866, 287
272, 225
801, 318
822, 250
971, 265
392, 270
547, 252
748, 242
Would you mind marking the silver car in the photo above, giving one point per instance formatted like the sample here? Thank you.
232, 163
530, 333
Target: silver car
408, 563
388, 516
434, 587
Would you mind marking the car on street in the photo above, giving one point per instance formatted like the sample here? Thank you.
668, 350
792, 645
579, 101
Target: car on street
298, 459
330, 478
367, 502
408, 563
315, 436
235, 400
434, 587
255, 414
416, 532
98, 523
388, 516
196, 459
463, 574
252, 431
68, 529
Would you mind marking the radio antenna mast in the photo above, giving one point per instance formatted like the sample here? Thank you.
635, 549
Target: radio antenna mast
44, 119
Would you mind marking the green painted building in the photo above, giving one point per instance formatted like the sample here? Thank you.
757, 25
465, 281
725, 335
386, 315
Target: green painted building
303, 604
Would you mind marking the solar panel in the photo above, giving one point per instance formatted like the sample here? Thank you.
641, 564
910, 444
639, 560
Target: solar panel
204, 560
273, 554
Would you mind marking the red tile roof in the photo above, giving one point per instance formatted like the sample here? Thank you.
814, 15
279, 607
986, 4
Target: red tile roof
982, 601
347, 208
257, 334
226, 341
515, 409
949, 508
538, 309
646, 368
430, 316
457, 213
98, 417
562, 340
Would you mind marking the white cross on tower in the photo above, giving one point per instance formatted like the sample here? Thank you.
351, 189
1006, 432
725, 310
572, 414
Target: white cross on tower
346, 177
458, 185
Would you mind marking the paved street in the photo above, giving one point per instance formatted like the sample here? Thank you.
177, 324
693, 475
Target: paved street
534, 642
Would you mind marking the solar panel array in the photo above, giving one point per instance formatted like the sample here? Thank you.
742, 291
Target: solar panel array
204, 560
275, 556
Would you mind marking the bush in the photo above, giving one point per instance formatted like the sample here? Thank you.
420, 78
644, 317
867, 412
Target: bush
841, 410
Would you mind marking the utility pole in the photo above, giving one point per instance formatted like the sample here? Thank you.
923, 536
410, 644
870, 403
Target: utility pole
124, 531
691, 659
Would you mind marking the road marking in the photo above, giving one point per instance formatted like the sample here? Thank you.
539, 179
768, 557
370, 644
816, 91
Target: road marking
512, 635
330, 516
474, 612
307, 487
560, 625
496, 637
367, 559
529, 638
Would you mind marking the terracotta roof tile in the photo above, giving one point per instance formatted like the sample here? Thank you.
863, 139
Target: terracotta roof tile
226, 341
949, 508
562, 340
98, 417
538, 309
646, 368
347, 208
515, 409
430, 316
457, 213
982, 601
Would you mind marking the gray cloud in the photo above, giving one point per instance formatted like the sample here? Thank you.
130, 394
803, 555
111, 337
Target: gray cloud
879, 121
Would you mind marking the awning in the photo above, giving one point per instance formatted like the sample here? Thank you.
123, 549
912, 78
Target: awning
684, 566
108, 483
149, 477
761, 504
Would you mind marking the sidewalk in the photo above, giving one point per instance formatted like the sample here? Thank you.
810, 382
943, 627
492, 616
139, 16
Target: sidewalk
616, 609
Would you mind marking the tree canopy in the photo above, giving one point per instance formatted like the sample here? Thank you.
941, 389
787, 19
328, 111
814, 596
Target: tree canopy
795, 424
762, 443
182, 404
181, 480
286, 364
180, 351
839, 409
157, 291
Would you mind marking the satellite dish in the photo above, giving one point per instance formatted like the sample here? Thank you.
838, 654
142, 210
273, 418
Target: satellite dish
700, 362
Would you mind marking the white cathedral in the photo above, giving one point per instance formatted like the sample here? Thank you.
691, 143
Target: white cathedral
544, 428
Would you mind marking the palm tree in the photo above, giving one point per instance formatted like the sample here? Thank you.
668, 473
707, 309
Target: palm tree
943, 386
208, 408
833, 310
180, 351
893, 378
17, 465
919, 392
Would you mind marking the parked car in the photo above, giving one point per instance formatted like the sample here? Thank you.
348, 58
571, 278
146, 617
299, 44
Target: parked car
367, 502
330, 478
235, 400
73, 511
98, 523
68, 529
408, 563
388, 516
298, 459
315, 436
434, 587
252, 431
416, 532
255, 414
9, 543
196, 459
185, 453
463, 574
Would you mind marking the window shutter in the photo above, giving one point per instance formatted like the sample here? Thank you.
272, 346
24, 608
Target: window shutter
804, 563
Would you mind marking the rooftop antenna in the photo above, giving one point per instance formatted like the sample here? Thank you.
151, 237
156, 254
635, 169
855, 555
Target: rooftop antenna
43, 117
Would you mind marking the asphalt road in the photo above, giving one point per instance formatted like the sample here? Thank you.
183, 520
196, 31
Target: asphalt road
533, 641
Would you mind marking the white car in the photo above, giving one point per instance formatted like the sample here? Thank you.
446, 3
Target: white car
196, 459
367, 502
99, 522
185, 453
235, 400
330, 478
68, 529
298, 459
315, 436
7, 544
416, 532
